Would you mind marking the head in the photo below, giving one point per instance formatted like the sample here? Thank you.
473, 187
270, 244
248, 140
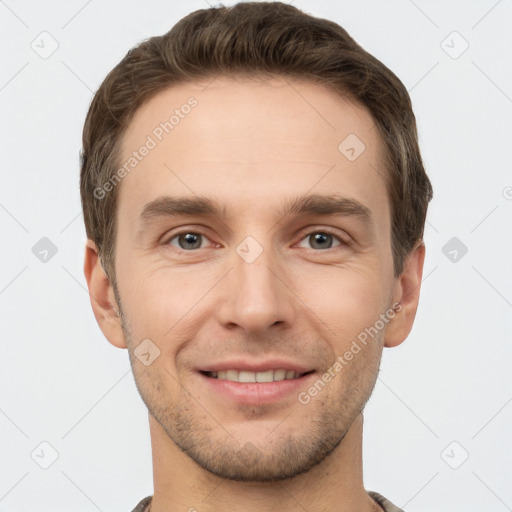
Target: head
252, 188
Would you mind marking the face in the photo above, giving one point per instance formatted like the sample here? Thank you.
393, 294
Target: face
231, 272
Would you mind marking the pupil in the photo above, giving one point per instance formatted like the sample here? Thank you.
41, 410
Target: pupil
320, 237
191, 238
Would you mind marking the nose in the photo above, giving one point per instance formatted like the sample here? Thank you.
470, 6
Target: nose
256, 295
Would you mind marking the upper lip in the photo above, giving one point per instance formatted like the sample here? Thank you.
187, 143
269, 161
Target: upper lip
255, 366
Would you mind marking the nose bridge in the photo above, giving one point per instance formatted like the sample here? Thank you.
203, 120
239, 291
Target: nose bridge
256, 297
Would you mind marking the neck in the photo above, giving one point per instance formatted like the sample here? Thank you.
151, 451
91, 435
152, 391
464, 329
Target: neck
334, 484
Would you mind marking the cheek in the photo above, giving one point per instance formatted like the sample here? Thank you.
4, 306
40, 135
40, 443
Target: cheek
346, 299
158, 384
161, 300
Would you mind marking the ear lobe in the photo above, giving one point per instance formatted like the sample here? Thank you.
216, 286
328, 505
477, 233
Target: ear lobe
407, 293
102, 297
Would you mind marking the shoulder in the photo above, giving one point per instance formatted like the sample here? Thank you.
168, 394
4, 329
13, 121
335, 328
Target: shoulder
141, 507
384, 502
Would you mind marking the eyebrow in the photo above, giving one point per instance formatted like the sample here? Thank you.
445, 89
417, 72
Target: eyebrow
167, 206
327, 205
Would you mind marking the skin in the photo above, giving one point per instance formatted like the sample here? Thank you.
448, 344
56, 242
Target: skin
251, 145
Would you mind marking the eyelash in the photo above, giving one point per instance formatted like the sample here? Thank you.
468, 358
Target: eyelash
306, 234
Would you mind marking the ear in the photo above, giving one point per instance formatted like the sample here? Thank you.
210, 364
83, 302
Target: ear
407, 293
102, 297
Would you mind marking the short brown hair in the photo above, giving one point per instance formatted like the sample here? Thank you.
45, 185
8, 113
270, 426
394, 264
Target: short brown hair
264, 39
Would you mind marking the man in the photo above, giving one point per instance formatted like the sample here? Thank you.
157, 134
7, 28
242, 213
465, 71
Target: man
254, 199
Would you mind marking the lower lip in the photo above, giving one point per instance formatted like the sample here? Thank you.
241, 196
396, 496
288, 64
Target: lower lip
256, 393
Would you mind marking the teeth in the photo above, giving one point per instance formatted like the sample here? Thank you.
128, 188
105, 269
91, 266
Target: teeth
232, 375
279, 374
267, 376
245, 376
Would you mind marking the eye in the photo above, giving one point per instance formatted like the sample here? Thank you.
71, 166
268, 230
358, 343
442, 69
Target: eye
187, 240
192, 240
323, 239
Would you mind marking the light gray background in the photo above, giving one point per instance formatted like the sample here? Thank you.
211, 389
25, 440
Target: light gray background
62, 383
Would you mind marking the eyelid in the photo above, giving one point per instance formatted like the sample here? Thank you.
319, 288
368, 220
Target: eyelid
166, 239
308, 231
321, 229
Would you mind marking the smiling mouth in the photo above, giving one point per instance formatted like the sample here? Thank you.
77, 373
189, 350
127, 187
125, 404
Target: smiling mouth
251, 377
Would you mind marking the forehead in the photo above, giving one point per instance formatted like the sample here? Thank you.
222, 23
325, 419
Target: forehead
249, 141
